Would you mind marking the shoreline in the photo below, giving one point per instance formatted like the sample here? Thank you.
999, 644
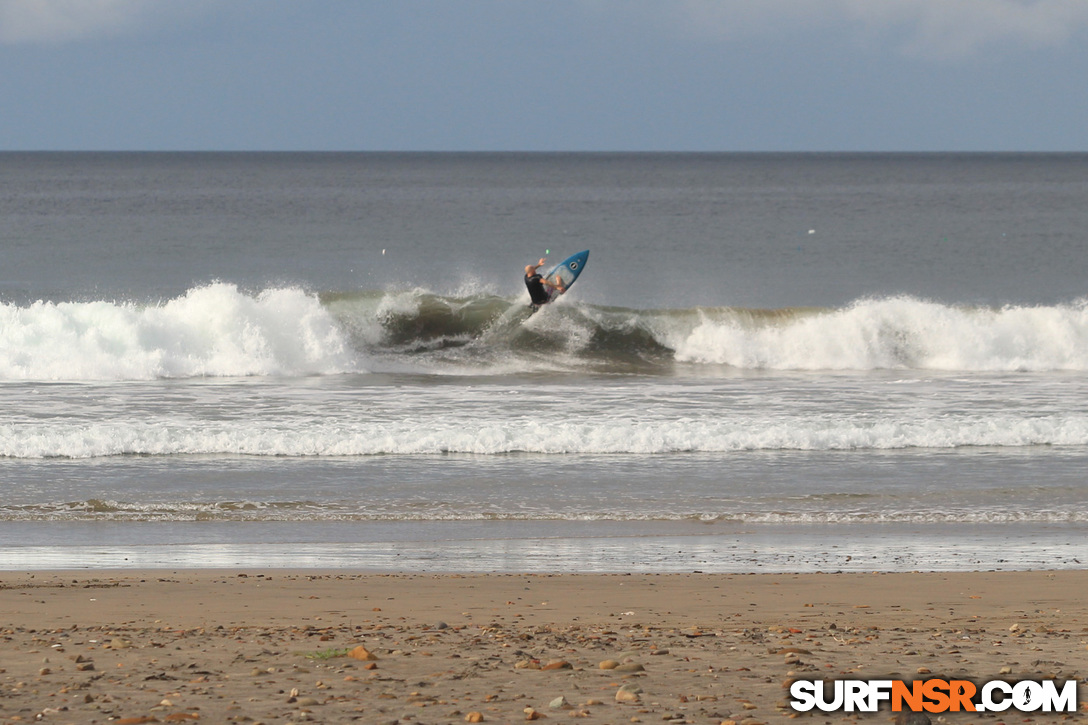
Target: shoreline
265, 646
545, 547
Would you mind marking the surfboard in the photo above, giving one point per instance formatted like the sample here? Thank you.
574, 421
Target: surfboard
566, 272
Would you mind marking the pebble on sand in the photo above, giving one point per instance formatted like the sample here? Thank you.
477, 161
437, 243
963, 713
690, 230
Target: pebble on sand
362, 653
558, 665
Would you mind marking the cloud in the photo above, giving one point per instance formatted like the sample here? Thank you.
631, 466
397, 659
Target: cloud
59, 21
953, 28
925, 28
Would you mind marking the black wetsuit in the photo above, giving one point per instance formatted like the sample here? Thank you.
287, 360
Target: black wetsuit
537, 293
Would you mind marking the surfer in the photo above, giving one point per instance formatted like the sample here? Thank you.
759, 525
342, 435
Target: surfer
536, 285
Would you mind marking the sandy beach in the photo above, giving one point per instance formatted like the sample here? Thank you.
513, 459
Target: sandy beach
273, 646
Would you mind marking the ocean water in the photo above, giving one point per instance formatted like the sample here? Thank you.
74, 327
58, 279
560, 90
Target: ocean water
772, 362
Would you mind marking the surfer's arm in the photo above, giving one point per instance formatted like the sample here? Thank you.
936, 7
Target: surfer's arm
557, 284
530, 269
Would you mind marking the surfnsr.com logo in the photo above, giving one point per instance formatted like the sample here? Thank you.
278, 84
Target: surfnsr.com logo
934, 695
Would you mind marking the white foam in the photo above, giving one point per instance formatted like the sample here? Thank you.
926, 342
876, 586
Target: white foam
313, 435
215, 330
245, 510
893, 333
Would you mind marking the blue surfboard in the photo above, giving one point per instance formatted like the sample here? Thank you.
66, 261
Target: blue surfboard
566, 272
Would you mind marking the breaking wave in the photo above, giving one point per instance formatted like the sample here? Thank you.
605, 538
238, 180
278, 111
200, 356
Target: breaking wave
492, 333
216, 330
221, 330
308, 510
469, 433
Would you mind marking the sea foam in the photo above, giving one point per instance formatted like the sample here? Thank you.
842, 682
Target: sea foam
214, 330
500, 434
892, 333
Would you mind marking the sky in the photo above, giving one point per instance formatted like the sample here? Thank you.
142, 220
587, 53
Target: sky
544, 75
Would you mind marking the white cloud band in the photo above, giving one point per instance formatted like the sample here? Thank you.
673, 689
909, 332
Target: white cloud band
941, 28
59, 21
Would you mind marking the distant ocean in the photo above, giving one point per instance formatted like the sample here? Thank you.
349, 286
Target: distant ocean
772, 362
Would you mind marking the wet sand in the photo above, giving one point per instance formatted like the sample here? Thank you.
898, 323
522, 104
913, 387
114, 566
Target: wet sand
270, 646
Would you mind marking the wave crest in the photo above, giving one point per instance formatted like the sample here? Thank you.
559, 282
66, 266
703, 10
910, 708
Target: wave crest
896, 333
214, 330
219, 330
